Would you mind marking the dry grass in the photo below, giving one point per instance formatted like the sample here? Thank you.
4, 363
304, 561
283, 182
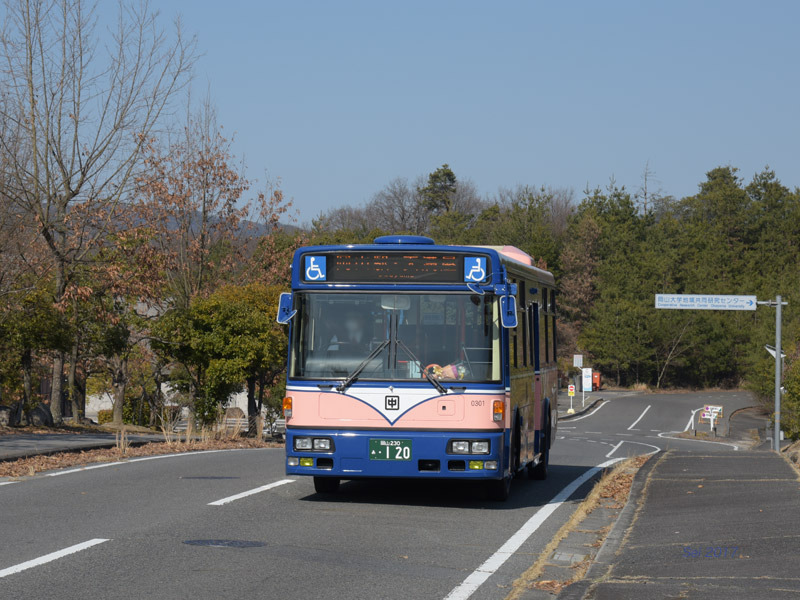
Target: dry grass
35, 464
792, 455
611, 491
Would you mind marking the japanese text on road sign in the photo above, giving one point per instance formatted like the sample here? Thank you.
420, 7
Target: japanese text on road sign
705, 302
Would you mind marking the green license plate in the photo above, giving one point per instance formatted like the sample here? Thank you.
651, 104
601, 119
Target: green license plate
390, 449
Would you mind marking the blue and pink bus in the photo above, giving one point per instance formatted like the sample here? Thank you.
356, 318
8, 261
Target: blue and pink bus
411, 359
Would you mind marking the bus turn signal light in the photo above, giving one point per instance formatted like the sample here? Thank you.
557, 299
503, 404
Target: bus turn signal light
287, 407
498, 410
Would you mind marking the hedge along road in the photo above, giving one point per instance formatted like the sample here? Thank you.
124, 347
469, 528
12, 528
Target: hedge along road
221, 523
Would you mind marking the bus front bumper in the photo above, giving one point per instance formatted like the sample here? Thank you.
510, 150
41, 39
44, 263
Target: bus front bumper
429, 454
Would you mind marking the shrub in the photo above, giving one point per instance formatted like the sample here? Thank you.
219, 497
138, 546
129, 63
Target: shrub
104, 416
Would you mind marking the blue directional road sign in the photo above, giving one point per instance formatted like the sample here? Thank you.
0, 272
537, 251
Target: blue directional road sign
705, 302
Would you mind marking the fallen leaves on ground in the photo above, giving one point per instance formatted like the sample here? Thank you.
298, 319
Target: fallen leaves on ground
35, 464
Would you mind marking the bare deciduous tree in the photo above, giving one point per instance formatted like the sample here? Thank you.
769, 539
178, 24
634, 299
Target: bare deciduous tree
82, 108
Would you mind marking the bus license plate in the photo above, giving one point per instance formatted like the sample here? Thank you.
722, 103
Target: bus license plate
390, 449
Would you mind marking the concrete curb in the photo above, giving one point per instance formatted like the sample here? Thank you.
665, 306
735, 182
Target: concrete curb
604, 559
577, 413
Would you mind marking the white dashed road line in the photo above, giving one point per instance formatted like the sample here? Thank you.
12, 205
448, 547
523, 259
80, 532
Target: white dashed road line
496, 560
257, 490
50, 557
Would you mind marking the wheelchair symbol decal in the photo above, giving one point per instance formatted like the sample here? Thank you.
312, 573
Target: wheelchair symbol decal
315, 268
474, 268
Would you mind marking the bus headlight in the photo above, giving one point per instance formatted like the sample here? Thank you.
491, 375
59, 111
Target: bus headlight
480, 447
293, 461
302, 443
459, 447
323, 444
490, 464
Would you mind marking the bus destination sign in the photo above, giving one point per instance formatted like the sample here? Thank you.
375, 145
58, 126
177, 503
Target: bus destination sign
393, 267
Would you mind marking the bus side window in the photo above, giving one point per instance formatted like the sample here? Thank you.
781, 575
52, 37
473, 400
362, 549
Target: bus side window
553, 311
545, 291
522, 306
533, 311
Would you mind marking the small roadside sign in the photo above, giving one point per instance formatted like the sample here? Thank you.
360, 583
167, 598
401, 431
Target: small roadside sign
711, 413
571, 391
577, 360
586, 373
705, 302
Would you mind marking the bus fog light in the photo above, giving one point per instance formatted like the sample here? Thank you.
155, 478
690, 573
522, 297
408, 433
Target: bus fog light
306, 461
459, 447
490, 464
302, 443
293, 461
475, 465
480, 447
322, 444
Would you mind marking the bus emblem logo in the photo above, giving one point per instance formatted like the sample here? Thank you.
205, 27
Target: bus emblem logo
474, 268
315, 268
392, 402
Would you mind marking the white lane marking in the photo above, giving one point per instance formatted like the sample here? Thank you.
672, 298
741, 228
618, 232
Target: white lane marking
475, 579
653, 430
263, 488
51, 557
691, 419
7, 482
591, 413
615, 448
89, 468
669, 437
134, 460
597, 432
640, 417
624, 434
563, 427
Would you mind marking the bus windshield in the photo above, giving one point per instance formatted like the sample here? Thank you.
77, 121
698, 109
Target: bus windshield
396, 337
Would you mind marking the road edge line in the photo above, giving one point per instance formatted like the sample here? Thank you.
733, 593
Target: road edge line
490, 566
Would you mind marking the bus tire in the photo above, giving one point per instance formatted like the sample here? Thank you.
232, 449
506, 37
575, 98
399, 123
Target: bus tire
326, 485
499, 489
539, 471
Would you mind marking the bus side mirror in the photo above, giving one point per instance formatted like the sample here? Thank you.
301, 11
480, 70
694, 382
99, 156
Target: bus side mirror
285, 311
508, 311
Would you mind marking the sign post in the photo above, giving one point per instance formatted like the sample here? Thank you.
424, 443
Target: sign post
571, 396
778, 304
732, 302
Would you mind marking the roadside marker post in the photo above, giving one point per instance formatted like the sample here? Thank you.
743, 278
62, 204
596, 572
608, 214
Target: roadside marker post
571, 396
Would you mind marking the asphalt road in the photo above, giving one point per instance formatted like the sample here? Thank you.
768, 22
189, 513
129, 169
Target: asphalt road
182, 527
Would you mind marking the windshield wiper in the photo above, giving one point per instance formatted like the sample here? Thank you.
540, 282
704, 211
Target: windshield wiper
354, 375
434, 382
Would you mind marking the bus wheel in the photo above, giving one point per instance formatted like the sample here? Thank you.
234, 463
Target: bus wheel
499, 489
539, 471
326, 485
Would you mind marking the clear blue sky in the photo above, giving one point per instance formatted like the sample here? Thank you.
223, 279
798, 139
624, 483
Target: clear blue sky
337, 98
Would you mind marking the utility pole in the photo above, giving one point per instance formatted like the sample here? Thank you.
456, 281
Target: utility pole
778, 304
